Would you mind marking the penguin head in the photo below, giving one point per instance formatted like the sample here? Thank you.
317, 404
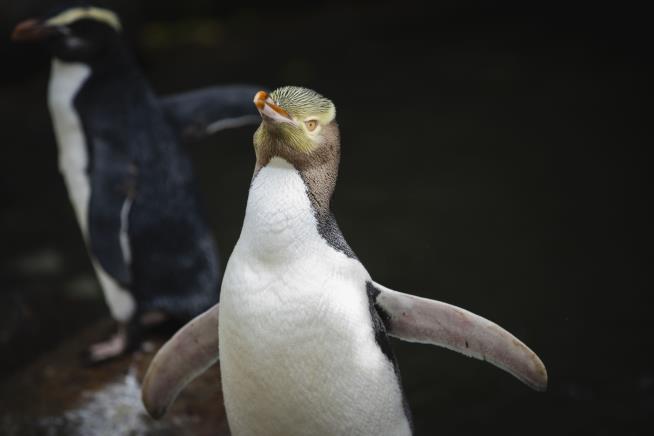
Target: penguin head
75, 33
297, 123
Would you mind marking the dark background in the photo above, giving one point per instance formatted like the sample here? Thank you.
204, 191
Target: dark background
493, 158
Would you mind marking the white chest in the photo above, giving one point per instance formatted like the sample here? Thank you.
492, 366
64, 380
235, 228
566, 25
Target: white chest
65, 81
297, 349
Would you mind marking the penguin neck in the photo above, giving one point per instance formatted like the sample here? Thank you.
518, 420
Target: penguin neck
316, 172
318, 168
107, 102
66, 80
114, 83
280, 220
82, 97
114, 63
116, 80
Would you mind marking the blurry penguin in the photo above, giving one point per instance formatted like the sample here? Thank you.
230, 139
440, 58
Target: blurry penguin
129, 180
302, 328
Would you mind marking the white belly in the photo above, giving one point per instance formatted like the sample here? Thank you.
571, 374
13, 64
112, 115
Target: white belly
66, 79
297, 349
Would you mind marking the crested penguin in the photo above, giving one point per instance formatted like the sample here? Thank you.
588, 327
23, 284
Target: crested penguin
130, 183
302, 327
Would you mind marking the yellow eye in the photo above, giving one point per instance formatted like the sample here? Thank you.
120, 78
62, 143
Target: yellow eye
311, 125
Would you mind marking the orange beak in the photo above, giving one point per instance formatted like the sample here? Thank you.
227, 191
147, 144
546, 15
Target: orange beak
269, 110
31, 30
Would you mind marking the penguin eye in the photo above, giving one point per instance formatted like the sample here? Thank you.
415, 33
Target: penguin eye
311, 125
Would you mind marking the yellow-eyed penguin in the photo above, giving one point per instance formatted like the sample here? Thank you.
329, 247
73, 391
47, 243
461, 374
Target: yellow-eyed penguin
129, 180
302, 326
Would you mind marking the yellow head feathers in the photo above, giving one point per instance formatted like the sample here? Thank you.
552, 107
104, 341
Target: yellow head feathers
69, 16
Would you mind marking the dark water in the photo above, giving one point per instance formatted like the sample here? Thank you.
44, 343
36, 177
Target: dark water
492, 158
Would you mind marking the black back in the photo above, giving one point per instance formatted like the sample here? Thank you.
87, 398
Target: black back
137, 164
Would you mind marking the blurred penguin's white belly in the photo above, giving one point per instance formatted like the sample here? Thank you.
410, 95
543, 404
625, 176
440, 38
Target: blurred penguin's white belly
297, 349
66, 79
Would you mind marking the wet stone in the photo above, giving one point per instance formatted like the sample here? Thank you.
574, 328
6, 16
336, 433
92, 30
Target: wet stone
55, 395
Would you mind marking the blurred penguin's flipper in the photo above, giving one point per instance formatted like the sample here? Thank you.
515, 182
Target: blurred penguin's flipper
203, 112
416, 319
188, 354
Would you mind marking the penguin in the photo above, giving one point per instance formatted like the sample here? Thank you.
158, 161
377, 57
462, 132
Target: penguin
129, 180
303, 329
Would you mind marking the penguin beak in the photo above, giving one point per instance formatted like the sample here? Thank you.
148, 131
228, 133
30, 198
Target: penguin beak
32, 30
270, 111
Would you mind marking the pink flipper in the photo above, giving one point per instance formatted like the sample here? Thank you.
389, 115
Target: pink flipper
188, 354
416, 319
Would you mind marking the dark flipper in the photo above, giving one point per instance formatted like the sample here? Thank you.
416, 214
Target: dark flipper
187, 355
203, 112
416, 319
112, 187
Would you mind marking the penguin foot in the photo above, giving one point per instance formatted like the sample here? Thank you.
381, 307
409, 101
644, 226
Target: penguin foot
103, 351
130, 337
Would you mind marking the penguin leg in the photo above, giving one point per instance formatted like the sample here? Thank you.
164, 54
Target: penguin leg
184, 357
416, 319
127, 338
130, 335
103, 351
